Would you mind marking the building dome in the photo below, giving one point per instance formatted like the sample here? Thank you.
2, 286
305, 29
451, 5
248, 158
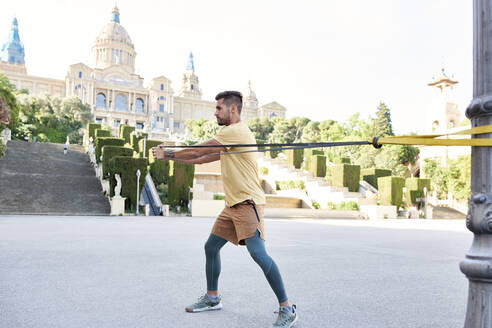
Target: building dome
114, 31
113, 45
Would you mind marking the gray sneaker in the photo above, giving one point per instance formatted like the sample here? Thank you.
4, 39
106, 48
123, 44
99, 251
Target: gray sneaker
204, 304
285, 318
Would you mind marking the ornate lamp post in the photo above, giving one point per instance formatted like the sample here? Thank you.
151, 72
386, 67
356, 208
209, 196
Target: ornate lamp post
477, 266
138, 191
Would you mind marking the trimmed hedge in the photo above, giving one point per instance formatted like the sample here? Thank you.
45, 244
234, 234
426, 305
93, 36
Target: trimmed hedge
295, 157
135, 139
148, 145
260, 142
307, 157
371, 175
91, 130
127, 168
180, 180
159, 170
99, 133
125, 133
391, 190
346, 175
342, 160
415, 189
120, 129
106, 141
109, 152
273, 153
318, 165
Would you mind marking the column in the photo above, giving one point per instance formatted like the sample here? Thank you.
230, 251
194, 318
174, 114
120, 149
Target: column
478, 262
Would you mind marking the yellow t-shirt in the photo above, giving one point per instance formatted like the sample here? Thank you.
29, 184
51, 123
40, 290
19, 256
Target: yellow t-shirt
239, 171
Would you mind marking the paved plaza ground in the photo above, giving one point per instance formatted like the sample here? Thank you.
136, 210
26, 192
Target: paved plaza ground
141, 272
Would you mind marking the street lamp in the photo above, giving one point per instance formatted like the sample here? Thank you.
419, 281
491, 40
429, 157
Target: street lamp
138, 185
478, 262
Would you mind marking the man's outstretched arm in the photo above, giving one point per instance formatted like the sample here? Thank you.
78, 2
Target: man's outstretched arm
190, 155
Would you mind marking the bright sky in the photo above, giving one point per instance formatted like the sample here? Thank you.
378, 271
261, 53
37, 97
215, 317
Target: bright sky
322, 59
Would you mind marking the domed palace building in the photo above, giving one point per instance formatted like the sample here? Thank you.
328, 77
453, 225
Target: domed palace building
116, 94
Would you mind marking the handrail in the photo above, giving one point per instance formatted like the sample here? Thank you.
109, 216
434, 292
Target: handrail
152, 195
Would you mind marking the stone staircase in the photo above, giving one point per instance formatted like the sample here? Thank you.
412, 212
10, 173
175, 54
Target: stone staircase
318, 189
37, 178
447, 213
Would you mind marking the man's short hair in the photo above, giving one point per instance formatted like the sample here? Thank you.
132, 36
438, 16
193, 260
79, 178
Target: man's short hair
231, 97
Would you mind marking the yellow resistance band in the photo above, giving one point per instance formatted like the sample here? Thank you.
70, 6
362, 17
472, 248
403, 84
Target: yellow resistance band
430, 139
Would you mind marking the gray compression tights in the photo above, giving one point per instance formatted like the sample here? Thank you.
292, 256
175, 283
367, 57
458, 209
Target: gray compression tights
256, 248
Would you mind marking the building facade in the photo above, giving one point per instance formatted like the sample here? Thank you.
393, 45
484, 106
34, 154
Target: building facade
116, 94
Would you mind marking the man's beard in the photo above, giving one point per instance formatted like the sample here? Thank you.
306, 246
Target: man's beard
221, 122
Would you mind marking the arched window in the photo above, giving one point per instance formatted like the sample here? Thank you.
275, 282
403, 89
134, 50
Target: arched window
451, 124
139, 104
120, 103
100, 100
162, 86
162, 98
192, 87
80, 75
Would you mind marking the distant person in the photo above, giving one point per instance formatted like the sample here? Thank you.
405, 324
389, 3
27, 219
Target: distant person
241, 221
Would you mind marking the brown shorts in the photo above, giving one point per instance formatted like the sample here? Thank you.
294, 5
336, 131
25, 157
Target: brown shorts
239, 222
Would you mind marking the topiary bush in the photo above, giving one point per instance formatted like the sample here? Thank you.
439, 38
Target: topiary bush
102, 133
260, 142
346, 175
295, 157
135, 139
120, 130
318, 165
308, 153
159, 170
371, 175
109, 152
125, 133
106, 141
180, 180
391, 190
127, 168
273, 153
342, 160
148, 145
91, 130
415, 189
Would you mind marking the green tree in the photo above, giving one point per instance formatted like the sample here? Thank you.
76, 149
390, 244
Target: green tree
7, 93
459, 177
311, 132
201, 130
51, 119
433, 169
261, 128
298, 124
382, 122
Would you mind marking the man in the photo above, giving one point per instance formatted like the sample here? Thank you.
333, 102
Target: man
241, 221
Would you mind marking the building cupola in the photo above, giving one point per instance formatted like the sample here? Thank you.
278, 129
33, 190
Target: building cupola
13, 49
